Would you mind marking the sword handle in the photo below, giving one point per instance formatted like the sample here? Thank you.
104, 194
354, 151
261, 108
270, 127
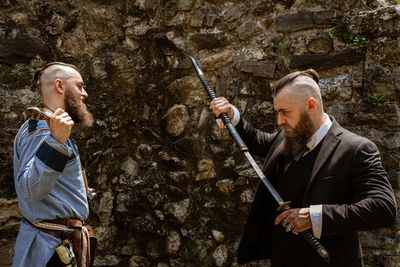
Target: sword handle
228, 124
313, 241
308, 235
36, 113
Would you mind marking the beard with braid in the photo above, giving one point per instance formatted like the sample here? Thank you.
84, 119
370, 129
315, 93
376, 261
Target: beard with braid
296, 140
77, 110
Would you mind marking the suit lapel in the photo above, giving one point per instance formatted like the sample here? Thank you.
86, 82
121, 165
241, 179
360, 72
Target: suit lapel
270, 162
329, 144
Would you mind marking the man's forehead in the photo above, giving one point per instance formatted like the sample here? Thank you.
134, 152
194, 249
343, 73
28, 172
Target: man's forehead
285, 93
75, 76
284, 98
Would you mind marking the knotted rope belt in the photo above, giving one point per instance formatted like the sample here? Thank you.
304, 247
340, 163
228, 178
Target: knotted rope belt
82, 237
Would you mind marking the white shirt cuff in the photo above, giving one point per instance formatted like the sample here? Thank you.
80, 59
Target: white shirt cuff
236, 115
235, 119
316, 220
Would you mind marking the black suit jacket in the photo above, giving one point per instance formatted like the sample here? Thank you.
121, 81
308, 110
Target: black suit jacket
347, 178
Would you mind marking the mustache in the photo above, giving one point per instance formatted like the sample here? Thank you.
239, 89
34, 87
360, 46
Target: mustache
285, 125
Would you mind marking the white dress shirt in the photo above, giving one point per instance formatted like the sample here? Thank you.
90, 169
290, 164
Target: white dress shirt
316, 210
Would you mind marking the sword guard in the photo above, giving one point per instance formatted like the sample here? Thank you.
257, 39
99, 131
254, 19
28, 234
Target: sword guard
36, 113
284, 206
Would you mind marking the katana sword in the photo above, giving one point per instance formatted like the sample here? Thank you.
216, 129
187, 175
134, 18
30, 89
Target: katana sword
283, 205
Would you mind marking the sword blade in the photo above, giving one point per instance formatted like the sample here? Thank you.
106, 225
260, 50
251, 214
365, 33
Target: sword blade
263, 178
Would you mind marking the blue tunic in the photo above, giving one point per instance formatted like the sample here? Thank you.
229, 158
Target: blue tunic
49, 185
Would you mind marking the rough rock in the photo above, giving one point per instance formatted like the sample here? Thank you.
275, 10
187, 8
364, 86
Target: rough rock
189, 90
383, 21
173, 242
181, 5
248, 29
320, 44
259, 68
206, 169
209, 40
336, 87
177, 118
220, 255
263, 7
130, 166
324, 61
139, 261
225, 186
304, 20
180, 209
247, 196
191, 146
218, 236
21, 49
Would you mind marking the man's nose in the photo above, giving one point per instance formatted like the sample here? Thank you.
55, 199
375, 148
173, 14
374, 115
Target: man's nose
281, 119
84, 93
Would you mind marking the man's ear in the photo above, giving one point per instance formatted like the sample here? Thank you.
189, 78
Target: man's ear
311, 104
59, 86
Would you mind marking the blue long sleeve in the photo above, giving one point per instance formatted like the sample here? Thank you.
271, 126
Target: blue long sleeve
49, 185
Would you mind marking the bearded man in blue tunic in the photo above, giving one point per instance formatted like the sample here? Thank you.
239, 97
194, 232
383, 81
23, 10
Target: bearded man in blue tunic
48, 174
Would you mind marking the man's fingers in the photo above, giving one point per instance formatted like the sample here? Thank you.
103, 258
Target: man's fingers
298, 229
281, 216
67, 121
60, 115
58, 111
218, 101
63, 116
222, 107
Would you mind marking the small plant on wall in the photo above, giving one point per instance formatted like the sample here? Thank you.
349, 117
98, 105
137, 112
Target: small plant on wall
377, 100
359, 41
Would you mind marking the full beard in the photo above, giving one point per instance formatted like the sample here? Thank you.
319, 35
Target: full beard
77, 110
296, 140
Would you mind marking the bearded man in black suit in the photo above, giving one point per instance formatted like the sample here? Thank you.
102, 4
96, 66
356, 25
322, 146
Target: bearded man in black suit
334, 179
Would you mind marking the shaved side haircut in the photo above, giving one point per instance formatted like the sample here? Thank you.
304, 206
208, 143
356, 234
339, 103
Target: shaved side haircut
39, 72
292, 76
305, 83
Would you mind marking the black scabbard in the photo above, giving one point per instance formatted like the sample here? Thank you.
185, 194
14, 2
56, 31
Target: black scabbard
228, 124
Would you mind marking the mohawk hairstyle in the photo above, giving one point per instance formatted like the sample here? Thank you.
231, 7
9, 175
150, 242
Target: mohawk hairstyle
39, 72
292, 76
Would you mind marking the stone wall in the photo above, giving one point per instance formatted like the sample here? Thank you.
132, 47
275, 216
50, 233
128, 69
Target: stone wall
173, 189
